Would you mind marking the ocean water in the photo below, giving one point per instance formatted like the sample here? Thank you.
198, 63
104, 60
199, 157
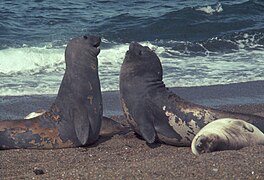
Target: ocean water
199, 42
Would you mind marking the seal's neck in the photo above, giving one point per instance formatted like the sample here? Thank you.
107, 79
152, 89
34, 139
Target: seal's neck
155, 85
77, 84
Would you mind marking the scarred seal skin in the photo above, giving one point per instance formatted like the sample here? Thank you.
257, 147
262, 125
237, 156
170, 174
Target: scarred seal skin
109, 127
226, 134
156, 113
75, 117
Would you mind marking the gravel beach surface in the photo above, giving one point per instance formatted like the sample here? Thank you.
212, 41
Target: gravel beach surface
129, 157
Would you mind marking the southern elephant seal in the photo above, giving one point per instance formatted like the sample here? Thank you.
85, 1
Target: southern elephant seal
156, 113
226, 134
109, 127
75, 117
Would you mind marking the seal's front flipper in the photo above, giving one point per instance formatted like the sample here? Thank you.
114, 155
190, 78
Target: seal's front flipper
95, 119
163, 128
87, 117
146, 126
81, 125
148, 133
111, 127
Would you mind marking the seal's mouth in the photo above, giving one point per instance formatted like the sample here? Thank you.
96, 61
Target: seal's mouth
96, 45
94, 41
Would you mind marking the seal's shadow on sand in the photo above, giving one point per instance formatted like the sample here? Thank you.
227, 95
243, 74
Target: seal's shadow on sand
104, 138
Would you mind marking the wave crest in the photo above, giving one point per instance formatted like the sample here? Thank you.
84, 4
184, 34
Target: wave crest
216, 8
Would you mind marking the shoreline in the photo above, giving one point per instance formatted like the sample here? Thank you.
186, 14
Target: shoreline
129, 157
247, 93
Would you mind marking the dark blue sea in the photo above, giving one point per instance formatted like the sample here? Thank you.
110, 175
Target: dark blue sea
199, 42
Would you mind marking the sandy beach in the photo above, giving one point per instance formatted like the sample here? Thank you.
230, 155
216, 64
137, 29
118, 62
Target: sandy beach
129, 157
200, 44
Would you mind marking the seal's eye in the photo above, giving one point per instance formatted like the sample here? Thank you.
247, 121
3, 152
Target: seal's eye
199, 146
85, 37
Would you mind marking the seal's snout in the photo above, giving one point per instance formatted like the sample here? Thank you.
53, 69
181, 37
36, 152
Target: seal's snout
93, 40
134, 45
96, 41
201, 144
93, 43
136, 48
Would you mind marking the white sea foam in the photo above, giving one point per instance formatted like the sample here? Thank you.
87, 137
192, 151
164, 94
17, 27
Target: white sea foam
217, 8
31, 60
25, 71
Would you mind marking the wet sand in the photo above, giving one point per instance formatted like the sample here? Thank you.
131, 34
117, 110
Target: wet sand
128, 156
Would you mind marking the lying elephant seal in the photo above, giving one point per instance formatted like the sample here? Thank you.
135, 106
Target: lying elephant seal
109, 127
226, 134
75, 117
156, 113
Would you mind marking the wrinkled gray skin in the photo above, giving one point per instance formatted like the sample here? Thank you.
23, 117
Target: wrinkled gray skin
75, 117
156, 113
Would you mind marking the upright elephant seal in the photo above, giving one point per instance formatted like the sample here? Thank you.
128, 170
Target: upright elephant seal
226, 134
75, 117
153, 111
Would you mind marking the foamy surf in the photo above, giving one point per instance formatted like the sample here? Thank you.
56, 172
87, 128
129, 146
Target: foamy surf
30, 60
39, 70
211, 9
